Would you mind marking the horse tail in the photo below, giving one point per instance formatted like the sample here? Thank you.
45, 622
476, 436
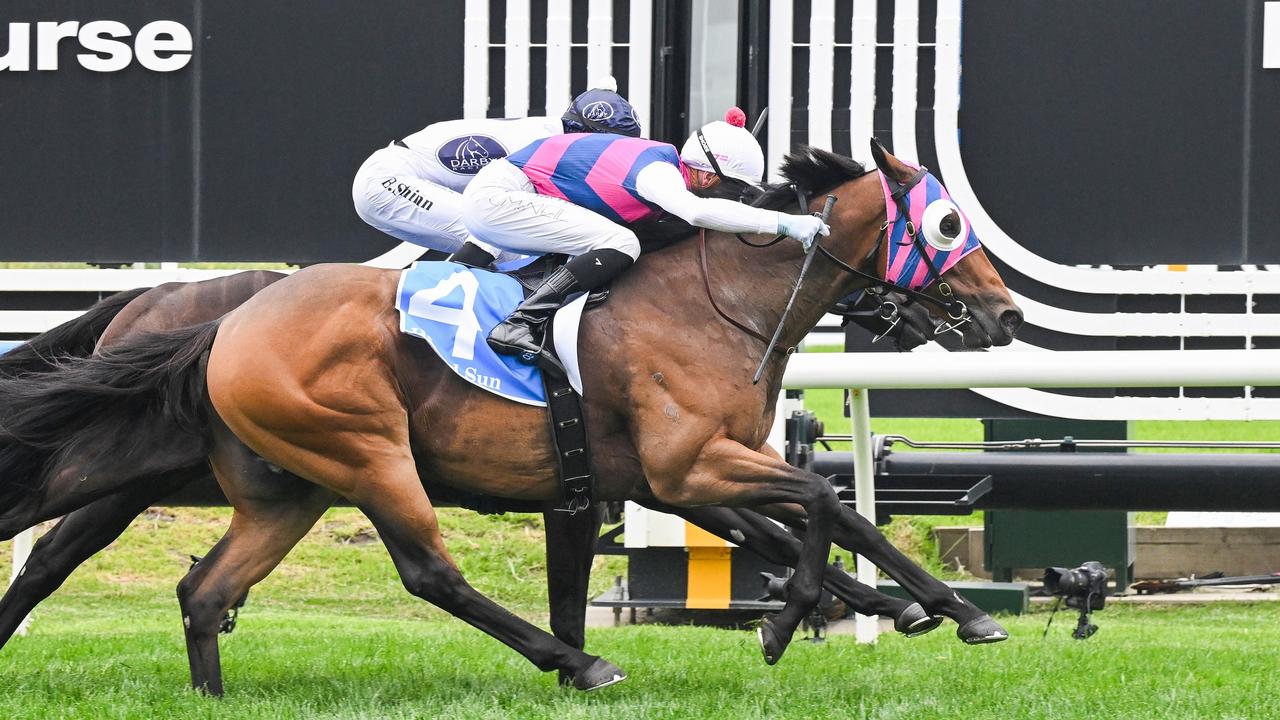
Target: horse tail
117, 402
75, 338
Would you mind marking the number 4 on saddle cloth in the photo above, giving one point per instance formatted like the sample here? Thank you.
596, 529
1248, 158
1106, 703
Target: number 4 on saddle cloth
453, 308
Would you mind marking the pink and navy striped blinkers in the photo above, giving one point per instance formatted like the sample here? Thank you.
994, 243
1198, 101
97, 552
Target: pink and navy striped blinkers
903, 263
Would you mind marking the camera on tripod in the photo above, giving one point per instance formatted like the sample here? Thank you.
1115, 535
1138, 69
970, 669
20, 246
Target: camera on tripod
1083, 588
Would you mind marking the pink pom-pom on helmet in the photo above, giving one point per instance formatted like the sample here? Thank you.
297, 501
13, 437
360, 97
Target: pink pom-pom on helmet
735, 117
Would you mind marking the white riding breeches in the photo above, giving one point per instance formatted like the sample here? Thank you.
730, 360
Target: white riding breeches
502, 210
390, 194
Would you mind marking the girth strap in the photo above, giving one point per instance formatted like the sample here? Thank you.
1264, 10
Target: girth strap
569, 437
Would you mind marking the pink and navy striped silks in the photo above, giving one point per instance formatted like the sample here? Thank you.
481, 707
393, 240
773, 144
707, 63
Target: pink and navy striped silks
594, 170
903, 264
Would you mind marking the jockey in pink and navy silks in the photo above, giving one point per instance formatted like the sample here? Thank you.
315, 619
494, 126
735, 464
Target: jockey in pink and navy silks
575, 194
412, 188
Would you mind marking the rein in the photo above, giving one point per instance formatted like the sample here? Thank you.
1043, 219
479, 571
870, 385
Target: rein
706, 282
706, 275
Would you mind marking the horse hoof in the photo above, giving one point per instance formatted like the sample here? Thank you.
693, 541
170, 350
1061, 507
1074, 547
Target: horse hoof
771, 644
914, 621
598, 674
982, 630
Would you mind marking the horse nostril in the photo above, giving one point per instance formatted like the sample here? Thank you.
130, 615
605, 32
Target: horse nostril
1011, 320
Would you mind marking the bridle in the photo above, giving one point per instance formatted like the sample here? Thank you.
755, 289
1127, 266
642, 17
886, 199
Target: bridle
956, 311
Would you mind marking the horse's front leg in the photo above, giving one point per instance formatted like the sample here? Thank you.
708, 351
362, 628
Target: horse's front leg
857, 534
760, 535
725, 472
571, 548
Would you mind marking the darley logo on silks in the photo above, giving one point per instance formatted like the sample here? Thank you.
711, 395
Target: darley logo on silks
466, 155
597, 111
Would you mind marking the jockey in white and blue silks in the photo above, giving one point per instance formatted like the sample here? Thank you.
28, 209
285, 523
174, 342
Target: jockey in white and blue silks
575, 194
412, 188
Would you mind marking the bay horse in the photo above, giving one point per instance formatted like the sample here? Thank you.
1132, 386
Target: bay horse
352, 408
570, 539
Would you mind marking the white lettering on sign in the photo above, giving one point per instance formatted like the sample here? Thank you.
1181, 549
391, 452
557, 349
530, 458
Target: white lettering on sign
1271, 35
160, 46
106, 52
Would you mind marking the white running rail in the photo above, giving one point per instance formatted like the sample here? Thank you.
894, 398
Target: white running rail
861, 372
21, 551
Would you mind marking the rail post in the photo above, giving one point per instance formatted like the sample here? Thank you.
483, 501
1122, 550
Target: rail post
865, 627
21, 551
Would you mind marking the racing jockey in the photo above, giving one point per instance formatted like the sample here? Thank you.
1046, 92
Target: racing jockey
411, 189
576, 194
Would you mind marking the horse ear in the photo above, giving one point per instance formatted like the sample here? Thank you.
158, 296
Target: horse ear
880, 155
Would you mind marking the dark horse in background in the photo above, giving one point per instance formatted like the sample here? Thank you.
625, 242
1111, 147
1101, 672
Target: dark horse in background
350, 408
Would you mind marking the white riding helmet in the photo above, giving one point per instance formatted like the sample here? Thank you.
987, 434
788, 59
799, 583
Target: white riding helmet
735, 150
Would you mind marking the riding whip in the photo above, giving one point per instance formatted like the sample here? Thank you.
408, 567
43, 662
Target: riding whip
808, 260
755, 130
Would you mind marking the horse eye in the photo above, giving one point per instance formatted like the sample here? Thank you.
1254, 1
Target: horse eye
950, 224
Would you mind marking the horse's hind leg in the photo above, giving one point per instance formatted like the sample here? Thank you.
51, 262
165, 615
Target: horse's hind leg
261, 534
407, 524
76, 538
273, 511
571, 547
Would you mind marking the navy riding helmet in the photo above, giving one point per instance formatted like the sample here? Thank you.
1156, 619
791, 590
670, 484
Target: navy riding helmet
601, 111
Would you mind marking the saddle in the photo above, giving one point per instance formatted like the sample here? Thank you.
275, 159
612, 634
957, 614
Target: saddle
452, 310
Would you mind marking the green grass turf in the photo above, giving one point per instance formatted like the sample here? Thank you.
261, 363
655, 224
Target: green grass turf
332, 634
339, 563
127, 661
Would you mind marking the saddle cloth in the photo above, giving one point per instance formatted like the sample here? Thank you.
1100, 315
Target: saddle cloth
453, 308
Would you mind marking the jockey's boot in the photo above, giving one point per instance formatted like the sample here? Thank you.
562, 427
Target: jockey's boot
523, 332
473, 256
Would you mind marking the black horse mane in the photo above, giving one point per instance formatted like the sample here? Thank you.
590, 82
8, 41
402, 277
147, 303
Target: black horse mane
813, 171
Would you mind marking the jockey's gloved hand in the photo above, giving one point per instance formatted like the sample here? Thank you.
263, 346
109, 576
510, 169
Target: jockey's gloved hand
802, 227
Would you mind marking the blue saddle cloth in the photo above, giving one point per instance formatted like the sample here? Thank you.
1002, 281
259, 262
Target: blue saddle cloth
453, 308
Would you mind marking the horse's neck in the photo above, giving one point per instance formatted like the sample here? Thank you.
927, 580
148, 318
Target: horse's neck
758, 282
664, 305
750, 285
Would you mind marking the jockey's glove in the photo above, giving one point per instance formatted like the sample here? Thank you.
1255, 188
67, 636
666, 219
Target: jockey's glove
802, 227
